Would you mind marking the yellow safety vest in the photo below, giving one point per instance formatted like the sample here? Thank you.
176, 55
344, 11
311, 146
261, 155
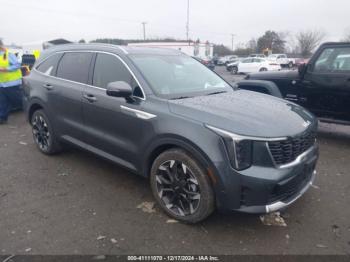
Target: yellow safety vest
8, 76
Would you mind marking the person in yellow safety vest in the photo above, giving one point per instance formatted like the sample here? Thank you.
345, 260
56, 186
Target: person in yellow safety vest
36, 54
10, 83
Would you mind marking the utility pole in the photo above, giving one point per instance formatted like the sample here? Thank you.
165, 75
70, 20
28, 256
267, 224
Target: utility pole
188, 20
144, 30
232, 37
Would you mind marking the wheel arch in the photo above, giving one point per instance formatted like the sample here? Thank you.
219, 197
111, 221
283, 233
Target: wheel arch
35, 105
166, 143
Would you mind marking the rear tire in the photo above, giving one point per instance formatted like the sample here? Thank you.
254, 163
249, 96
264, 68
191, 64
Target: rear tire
263, 69
43, 134
181, 186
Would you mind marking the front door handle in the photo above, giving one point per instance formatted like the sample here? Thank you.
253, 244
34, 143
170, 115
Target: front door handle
48, 86
90, 98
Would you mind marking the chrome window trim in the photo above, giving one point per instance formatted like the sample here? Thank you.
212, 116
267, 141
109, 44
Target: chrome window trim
97, 52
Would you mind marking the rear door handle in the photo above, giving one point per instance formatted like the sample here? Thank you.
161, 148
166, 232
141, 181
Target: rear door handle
90, 98
48, 86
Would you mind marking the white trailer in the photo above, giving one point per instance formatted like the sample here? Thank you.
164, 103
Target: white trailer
201, 50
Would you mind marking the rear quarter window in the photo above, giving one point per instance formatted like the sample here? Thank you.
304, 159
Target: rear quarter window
49, 66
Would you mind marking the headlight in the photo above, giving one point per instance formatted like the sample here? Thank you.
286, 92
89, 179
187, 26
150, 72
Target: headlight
240, 153
240, 147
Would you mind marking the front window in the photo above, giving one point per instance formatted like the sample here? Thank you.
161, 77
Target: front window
333, 60
108, 68
174, 76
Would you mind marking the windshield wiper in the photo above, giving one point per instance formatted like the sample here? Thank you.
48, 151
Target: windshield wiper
217, 92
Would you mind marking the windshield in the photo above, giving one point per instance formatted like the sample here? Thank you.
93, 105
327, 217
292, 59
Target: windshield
178, 76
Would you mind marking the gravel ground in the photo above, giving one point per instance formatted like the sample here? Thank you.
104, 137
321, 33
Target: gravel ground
76, 203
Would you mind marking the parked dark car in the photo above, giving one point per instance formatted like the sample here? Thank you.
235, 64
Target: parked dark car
322, 85
161, 114
207, 62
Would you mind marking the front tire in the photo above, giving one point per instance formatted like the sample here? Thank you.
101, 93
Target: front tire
263, 69
234, 70
43, 134
181, 187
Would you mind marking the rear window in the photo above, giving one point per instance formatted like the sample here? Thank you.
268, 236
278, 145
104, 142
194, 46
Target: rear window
75, 67
49, 66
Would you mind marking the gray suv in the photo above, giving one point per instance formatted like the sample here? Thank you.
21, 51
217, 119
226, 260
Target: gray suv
202, 143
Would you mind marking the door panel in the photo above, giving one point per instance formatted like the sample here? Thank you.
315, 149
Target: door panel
256, 65
327, 84
245, 65
328, 95
108, 127
72, 75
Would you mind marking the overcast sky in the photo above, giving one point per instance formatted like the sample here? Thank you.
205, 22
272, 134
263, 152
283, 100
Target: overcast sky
32, 21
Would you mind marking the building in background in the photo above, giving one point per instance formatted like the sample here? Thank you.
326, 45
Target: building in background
59, 41
197, 49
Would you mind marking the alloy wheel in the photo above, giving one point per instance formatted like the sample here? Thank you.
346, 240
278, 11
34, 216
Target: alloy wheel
41, 133
178, 188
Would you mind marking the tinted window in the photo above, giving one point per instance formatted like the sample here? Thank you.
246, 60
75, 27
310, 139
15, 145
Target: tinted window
75, 67
109, 68
49, 66
333, 60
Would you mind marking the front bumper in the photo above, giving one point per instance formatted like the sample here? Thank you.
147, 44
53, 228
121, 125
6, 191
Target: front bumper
266, 188
280, 205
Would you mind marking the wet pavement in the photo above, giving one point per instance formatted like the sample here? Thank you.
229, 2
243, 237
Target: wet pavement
77, 203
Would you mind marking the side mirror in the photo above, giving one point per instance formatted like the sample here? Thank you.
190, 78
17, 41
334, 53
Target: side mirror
119, 89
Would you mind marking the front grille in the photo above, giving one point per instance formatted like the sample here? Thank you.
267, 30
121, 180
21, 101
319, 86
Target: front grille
286, 151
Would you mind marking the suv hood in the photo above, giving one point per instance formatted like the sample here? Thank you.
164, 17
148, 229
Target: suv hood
246, 113
274, 75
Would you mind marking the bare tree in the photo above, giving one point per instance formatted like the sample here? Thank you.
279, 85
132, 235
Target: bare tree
252, 45
308, 40
347, 36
